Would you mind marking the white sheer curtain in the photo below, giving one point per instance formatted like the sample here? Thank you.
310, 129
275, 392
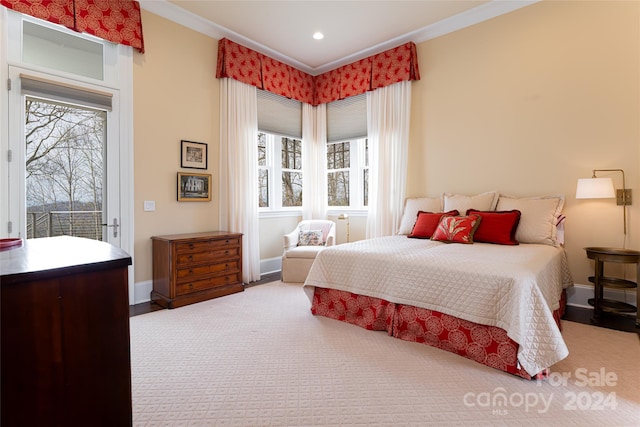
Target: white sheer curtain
239, 170
388, 114
314, 161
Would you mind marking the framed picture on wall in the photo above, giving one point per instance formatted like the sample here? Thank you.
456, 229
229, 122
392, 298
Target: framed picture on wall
193, 155
194, 187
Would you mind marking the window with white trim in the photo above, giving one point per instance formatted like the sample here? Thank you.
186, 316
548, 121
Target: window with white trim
279, 152
279, 172
348, 174
347, 153
279, 145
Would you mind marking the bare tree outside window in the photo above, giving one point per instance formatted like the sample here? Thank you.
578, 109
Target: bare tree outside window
338, 163
64, 169
279, 171
263, 172
365, 175
291, 172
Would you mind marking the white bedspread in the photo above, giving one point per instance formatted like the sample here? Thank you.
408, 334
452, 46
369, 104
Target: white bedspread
513, 287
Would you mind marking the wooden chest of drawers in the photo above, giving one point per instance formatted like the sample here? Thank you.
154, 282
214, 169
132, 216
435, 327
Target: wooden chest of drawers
189, 268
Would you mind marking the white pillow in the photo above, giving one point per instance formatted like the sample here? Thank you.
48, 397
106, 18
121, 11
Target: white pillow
411, 208
539, 217
482, 202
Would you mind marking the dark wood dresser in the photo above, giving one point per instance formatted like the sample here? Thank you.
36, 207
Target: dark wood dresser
189, 268
65, 334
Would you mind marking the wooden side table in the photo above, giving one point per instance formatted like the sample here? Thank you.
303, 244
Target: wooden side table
600, 304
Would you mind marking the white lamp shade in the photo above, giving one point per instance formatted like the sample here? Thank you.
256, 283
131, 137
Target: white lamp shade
595, 188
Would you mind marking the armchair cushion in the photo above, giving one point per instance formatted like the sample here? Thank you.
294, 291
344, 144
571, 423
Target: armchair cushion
303, 252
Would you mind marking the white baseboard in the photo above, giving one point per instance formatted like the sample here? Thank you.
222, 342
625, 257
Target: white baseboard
270, 265
578, 294
142, 291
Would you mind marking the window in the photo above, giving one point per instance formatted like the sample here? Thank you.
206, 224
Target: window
365, 174
347, 153
64, 169
279, 181
279, 145
57, 50
263, 171
279, 153
84, 84
348, 173
70, 147
291, 172
338, 164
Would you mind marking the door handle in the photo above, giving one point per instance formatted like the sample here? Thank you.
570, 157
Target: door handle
114, 225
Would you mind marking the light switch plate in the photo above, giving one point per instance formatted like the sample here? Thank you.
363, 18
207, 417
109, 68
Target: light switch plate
149, 205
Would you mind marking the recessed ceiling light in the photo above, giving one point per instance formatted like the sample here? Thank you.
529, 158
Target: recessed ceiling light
318, 35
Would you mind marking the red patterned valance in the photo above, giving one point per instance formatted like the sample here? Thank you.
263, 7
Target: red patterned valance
276, 77
395, 65
240, 62
355, 78
302, 86
117, 21
248, 66
327, 87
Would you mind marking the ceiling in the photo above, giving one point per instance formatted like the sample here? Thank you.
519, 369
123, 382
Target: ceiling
352, 29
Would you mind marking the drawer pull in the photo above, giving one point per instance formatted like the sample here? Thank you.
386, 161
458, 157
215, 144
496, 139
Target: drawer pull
190, 271
226, 266
191, 246
226, 278
190, 285
190, 257
226, 252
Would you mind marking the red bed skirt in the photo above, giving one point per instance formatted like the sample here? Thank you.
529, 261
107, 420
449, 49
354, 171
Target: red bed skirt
488, 345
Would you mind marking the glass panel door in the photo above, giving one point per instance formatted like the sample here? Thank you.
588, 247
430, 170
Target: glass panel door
85, 165
64, 173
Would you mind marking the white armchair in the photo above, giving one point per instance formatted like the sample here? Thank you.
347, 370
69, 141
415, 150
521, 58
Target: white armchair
298, 258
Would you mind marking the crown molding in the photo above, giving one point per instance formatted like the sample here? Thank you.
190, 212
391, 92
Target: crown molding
470, 17
192, 21
457, 22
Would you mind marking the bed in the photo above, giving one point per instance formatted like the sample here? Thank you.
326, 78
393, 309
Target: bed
497, 304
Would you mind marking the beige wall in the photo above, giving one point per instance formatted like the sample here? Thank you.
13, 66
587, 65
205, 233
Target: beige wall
525, 104
529, 102
272, 231
176, 97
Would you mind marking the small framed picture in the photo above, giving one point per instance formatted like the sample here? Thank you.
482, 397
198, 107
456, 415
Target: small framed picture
194, 187
193, 155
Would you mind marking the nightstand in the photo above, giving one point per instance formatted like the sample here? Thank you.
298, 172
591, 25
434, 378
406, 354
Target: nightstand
600, 281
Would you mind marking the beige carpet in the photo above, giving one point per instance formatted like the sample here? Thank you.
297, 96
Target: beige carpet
259, 358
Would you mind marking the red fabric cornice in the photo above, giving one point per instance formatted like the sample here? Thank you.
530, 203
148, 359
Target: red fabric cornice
117, 21
248, 66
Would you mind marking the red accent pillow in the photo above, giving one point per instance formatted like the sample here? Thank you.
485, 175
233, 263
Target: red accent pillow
456, 229
497, 226
426, 223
